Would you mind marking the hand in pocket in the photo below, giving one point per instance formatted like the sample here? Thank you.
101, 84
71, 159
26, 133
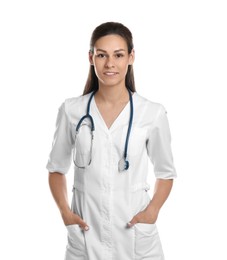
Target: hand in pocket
147, 216
71, 218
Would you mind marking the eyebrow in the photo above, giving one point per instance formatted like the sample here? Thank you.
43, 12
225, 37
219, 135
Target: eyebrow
114, 51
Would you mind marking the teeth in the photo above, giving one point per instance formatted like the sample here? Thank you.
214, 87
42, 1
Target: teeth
109, 73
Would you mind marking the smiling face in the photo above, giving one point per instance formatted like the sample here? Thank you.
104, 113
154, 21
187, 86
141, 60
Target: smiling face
111, 59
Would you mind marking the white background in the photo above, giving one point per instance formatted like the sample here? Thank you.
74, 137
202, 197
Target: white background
181, 62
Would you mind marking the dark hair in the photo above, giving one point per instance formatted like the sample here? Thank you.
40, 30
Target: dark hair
103, 30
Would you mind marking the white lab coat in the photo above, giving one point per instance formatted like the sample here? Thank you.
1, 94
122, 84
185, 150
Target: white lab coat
106, 199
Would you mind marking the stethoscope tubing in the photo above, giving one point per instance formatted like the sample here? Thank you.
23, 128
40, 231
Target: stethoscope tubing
125, 161
129, 125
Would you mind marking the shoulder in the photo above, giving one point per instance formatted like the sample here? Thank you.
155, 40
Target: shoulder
79, 100
148, 105
75, 103
74, 106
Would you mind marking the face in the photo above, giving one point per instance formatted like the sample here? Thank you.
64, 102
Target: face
111, 60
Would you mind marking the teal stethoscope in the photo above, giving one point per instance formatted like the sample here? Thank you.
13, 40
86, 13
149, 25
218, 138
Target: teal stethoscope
123, 164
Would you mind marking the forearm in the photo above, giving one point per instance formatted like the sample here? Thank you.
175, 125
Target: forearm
150, 214
161, 192
58, 187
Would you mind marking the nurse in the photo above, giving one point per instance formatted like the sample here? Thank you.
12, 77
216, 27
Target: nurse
112, 215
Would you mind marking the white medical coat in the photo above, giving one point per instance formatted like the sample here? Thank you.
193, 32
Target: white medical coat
106, 199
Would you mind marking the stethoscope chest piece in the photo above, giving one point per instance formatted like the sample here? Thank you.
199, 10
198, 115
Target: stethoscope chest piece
123, 165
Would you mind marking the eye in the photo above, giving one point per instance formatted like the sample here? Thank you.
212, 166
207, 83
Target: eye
101, 55
119, 55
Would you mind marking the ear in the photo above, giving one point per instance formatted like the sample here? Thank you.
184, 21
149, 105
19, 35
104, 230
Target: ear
132, 57
90, 57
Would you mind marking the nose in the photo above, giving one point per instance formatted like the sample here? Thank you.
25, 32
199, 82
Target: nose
109, 62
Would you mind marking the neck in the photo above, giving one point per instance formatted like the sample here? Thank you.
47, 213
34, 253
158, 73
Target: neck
112, 94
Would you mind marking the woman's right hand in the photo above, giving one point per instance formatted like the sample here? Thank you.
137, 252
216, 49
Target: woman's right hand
71, 218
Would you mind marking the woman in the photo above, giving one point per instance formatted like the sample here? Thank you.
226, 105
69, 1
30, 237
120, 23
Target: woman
111, 131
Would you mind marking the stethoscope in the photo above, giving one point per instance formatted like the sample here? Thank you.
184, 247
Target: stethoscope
123, 164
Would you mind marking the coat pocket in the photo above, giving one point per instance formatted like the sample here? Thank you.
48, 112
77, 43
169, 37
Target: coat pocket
83, 146
147, 242
76, 240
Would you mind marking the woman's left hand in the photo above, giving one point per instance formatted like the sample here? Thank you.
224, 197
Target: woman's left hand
147, 216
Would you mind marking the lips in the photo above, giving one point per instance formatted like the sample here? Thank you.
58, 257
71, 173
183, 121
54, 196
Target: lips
110, 73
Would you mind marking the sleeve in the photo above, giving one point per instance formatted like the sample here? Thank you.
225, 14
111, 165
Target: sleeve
61, 152
159, 147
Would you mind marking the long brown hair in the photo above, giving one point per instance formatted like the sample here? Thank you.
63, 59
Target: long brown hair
103, 30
